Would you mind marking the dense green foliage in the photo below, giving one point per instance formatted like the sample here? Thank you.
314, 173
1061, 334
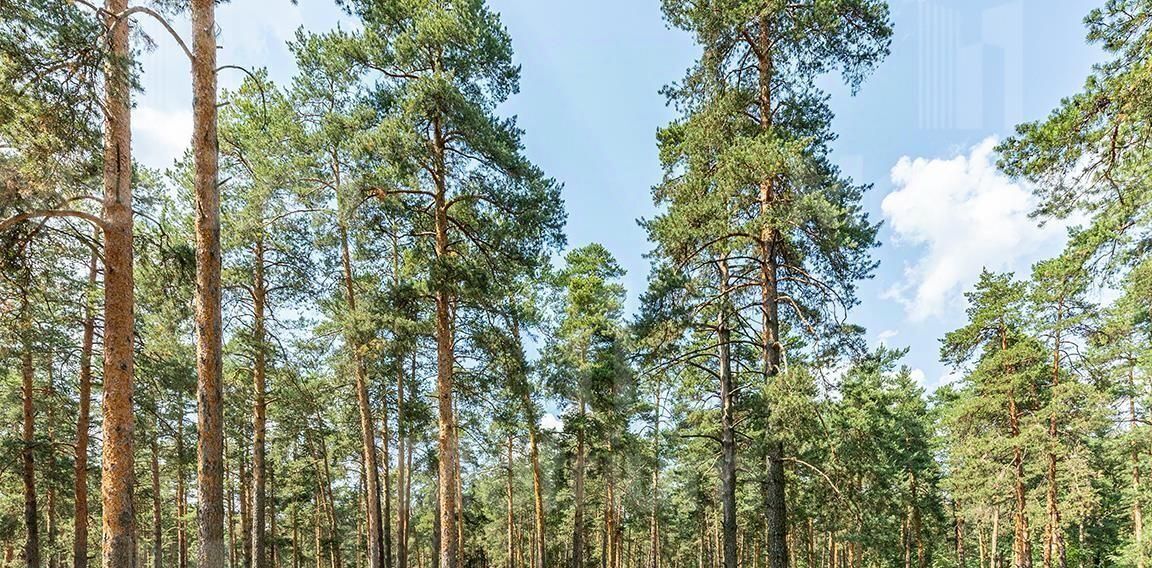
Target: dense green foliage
420, 373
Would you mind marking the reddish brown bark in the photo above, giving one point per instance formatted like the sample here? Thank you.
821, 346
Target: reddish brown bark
209, 357
118, 478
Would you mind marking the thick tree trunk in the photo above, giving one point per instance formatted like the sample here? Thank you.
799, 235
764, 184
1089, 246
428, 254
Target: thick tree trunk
83, 418
118, 478
259, 407
445, 360
774, 493
209, 358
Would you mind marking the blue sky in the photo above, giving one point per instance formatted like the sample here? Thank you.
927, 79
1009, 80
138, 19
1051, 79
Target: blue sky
962, 73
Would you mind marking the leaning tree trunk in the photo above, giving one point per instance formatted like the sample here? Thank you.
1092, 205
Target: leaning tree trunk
118, 479
209, 359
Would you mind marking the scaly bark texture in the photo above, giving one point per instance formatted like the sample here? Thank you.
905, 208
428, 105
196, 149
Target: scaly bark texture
209, 361
445, 360
118, 478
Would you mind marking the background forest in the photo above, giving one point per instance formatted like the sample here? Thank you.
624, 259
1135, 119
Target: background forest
346, 329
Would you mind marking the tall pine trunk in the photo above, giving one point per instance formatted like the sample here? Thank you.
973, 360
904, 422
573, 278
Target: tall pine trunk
28, 459
727, 425
363, 403
578, 546
511, 510
117, 480
259, 406
1137, 509
386, 513
83, 418
445, 360
774, 494
209, 357
181, 495
157, 514
402, 471
1053, 540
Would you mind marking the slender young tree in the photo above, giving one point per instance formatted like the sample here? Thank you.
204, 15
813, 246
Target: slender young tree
586, 368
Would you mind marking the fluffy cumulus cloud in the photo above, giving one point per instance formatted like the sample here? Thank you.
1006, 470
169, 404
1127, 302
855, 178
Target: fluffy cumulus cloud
960, 214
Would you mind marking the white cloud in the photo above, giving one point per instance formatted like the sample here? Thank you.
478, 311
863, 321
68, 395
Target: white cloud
551, 422
964, 215
918, 376
160, 136
885, 336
